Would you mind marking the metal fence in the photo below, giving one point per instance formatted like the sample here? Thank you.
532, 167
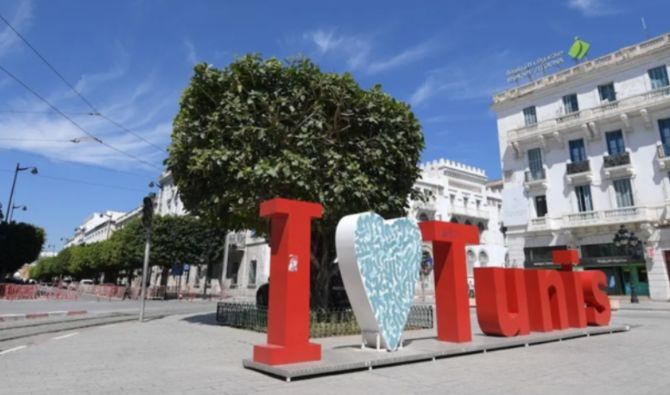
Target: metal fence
323, 323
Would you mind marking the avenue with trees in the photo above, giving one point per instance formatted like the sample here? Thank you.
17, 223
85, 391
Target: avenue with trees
175, 240
264, 128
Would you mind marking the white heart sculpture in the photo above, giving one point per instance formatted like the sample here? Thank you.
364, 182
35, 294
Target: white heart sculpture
379, 261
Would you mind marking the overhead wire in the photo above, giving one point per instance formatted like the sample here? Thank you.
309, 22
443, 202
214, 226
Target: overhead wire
84, 164
80, 182
95, 110
44, 112
29, 89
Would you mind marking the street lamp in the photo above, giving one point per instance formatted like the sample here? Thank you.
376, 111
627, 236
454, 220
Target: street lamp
14, 207
627, 242
84, 139
33, 170
53, 248
156, 184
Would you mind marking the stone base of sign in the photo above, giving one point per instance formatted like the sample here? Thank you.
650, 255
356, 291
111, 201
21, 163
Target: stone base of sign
349, 356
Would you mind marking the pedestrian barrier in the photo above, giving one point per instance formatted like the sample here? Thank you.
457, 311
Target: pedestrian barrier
18, 292
186, 292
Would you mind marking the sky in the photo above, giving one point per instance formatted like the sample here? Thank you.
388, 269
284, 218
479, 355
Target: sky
130, 59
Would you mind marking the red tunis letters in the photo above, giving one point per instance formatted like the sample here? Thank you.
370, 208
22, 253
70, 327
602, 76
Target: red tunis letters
288, 315
574, 296
598, 308
452, 304
502, 305
546, 300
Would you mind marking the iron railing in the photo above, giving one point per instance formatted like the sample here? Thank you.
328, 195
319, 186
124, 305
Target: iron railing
536, 175
579, 167
323, 323
617, 160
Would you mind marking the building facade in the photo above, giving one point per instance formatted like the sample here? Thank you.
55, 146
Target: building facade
585, 151
460, 194
96, 227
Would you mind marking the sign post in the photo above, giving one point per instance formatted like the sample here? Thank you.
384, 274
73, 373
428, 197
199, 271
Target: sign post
147, 216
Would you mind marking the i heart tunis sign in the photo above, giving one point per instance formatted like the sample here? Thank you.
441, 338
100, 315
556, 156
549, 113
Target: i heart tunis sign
380, 260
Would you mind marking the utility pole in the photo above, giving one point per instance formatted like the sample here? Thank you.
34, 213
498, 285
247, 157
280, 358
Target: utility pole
224, 276
147, 216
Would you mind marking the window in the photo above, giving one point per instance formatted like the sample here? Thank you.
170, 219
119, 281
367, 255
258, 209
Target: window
465, 202
615, 144
577, 151
659, 77
570, 103
234, 269
541, 206
607, 93
529, 116
539, 254
664, 127
480, 226
584, 202
252, 272
483, 259
535, 163
423, 217
624, 193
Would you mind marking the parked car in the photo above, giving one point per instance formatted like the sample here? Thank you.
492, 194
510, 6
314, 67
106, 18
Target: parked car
10, 280
86, 282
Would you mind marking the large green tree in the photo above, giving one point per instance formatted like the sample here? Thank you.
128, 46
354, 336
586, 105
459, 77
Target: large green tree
20, 243
260, 129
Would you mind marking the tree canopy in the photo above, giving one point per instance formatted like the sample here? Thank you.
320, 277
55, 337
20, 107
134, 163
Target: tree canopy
260, 129
175, 240
20, 243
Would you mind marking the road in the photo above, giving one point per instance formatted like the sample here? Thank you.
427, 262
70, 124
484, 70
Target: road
192, 355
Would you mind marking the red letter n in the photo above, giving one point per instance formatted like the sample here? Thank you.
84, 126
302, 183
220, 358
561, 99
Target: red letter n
288, 315
452, 303
502, 305
546, 300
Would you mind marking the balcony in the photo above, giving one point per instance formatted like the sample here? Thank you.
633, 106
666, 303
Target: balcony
618, 165
470, 212
579, 172
606, 217
428, 205
536, 179
622, 110
237, 239
663, 152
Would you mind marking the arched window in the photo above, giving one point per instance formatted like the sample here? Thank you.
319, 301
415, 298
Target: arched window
468, 222
471, 258
483, 259
481, 228
454, 220
423, 217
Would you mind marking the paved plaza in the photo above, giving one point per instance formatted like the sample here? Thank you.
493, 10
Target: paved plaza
192, 355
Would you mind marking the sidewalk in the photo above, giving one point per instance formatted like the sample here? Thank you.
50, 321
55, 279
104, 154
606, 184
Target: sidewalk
645, 305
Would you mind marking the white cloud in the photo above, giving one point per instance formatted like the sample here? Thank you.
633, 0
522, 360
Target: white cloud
357, 51
21, 20
191, 56
592, 8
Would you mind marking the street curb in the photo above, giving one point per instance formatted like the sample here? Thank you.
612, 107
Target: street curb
15, 317
643, 309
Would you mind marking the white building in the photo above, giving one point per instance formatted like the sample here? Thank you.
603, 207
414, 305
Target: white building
460, 193
585, 151
96, 227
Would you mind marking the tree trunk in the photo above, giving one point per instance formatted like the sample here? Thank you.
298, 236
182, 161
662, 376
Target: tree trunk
322, 270
164, 275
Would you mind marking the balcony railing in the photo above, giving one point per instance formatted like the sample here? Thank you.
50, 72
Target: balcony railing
536, 175
238, 238
470, 212
617, 160
613, 216
430, 204
625, 105
579, 167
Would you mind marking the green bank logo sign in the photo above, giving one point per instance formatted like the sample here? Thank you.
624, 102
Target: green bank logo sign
530, 70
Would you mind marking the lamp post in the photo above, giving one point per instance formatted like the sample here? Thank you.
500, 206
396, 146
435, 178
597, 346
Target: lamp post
627, 242
14, 207
33, 170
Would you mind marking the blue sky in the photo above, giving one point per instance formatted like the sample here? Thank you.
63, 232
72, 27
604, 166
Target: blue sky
132, 58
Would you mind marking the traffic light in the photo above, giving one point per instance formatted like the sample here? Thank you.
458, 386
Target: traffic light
147, 212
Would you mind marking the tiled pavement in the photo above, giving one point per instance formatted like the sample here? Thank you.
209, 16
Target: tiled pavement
189, 355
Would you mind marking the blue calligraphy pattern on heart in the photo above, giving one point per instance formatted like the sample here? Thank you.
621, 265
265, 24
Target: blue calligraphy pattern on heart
389, 258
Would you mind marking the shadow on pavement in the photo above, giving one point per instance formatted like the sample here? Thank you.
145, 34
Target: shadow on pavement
203, 319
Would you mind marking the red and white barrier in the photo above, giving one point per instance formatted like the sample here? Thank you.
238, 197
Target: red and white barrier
18, 292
